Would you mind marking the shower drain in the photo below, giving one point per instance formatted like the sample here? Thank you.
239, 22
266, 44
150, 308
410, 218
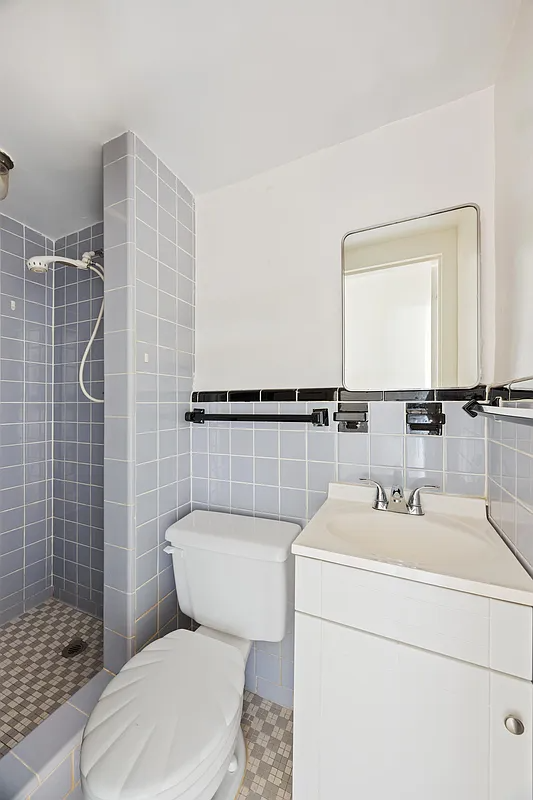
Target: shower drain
74, 648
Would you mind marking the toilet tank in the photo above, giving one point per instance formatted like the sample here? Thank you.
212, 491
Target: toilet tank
234, 573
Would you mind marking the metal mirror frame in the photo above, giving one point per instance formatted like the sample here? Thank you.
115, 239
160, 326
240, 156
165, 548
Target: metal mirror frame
478, 299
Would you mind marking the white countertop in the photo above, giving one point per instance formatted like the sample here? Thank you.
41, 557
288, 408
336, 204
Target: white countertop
453, 545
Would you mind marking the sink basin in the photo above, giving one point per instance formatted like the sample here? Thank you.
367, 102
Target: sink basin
412, 541
453, 545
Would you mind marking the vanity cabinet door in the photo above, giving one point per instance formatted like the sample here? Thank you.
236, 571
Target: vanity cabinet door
511, 762
375, 718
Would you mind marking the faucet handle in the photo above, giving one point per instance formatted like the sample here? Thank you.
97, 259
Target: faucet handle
380, 503
414, 504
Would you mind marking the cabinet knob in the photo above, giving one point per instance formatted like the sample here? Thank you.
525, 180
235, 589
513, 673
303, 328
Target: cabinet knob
514, 725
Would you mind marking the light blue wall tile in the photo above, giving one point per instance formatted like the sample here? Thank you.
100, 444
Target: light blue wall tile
458, 423
17, 782
118, 181
353, 448
386, 451
387, 418
242, 468
217, 440
267, 500
241, 442
466, 485
465, 455
293, 474
251, 674
146, 209
146, 179
117, 650
319, 475
143, 152
117, 148
414, 478
242, 497
293, 503
321, 446
278, 694
293, 444
267, 471
119, 610
167, 197
200, 465
49, 743
119, 224
86, 698
268, 666
219, 493
266, 443
57, 784
424, 452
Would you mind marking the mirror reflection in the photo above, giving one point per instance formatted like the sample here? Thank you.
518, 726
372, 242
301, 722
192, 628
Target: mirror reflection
411, 303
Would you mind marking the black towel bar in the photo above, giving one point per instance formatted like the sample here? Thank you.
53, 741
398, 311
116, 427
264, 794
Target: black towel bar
318, 417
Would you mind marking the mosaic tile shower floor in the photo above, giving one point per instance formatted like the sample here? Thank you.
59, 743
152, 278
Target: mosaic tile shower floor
35, 679
267, 730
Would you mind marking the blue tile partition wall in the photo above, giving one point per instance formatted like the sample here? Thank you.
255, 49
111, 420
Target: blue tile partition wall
282, 471
78, 429
149, 346
25, 421
510, 482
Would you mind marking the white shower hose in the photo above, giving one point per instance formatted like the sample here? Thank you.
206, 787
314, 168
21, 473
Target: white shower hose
95, 268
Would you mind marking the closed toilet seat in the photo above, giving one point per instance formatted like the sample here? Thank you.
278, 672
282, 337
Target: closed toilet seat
165, 727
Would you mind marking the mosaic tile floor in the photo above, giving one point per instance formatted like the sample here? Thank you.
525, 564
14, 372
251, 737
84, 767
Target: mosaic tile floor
267, 730
35, 678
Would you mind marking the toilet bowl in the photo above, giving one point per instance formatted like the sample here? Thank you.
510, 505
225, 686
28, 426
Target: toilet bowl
167, 727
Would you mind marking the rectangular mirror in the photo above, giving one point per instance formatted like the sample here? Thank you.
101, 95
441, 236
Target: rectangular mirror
411, 303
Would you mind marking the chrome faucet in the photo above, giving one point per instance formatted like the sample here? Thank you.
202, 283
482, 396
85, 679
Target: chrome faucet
396, 501
381, 502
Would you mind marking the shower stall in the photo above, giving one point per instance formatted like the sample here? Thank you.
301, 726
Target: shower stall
68, 619
51, 469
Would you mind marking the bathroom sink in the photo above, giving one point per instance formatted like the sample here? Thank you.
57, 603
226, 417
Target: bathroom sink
411, 541
453, 545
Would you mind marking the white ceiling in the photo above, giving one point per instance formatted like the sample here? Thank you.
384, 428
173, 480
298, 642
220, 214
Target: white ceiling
220, 89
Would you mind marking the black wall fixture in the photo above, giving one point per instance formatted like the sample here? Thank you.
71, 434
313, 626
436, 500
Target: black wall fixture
352, 417
424, 418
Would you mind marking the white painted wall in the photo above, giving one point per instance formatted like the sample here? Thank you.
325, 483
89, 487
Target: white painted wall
514, 203
269, 274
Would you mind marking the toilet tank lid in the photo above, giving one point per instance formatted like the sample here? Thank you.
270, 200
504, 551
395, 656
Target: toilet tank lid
234, 534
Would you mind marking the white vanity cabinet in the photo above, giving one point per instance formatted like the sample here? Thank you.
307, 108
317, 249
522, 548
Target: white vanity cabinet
407, 691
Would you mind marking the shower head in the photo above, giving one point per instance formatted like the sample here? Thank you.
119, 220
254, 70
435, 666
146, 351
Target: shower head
41, 263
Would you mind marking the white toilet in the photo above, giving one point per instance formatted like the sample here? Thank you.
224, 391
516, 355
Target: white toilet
167, 727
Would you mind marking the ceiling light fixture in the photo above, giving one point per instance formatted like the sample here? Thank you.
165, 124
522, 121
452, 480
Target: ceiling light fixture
6, 164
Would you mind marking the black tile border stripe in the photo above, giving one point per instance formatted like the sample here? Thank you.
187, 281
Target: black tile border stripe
476, 393
245, 396
346, 396
278, 395
414, 395
520, 394
317, 395
499, 391
210, 397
